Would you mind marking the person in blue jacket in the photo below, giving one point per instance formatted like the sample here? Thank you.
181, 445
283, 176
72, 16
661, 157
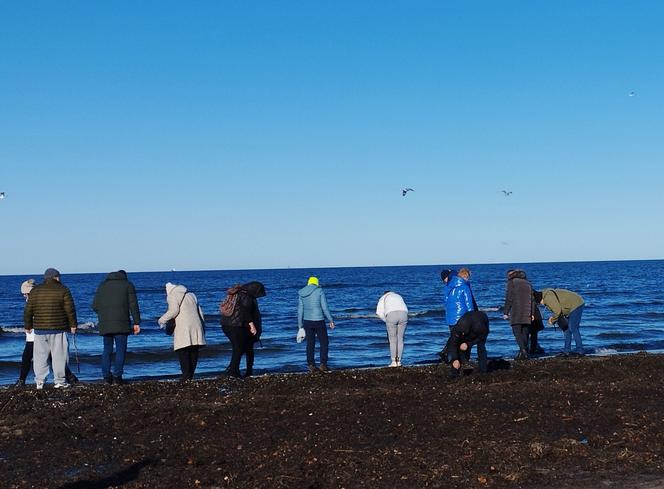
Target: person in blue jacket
312, 311
458, 298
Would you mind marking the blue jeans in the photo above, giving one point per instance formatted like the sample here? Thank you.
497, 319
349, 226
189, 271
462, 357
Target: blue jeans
573, 330
313, 329
120, 351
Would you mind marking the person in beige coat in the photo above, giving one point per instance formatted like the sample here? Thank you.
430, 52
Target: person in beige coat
189, 334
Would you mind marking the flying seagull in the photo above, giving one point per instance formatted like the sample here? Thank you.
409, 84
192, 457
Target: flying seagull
632, 94
506, 192
405, 191
2, 195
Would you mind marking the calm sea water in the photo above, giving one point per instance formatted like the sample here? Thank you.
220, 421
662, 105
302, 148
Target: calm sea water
624, 312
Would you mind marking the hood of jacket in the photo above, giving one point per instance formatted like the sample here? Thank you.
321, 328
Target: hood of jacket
116, 276
254, 289
176, 290
307, 291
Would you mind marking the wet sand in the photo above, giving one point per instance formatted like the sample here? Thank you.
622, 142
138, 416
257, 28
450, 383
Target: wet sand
554, 423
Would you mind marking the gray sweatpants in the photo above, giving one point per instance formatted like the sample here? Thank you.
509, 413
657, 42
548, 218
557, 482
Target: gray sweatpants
58, 347
396, 323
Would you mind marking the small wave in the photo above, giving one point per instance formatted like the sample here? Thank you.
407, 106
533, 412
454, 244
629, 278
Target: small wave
602, 352
491, 309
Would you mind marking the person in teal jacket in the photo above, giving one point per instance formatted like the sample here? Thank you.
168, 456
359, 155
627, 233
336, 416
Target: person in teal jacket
312, 311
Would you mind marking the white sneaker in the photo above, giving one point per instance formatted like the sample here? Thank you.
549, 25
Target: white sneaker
393, 364
40, 385
399, 363
61, 386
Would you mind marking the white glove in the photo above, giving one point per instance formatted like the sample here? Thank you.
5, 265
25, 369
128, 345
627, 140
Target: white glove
301, 334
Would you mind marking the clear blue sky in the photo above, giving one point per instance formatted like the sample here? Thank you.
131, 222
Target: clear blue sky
151, 135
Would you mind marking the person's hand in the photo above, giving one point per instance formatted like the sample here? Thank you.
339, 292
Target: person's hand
137, 329
532, 318
73, 330
252, 329
331, 324
551, 320
456, 364
463, 346
505, 317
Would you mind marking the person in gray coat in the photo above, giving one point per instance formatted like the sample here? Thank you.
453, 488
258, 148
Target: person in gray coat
117, 309
312, 311
519, 308
189, 334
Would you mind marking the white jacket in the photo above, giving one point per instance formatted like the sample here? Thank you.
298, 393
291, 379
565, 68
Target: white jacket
390, 302
188, 326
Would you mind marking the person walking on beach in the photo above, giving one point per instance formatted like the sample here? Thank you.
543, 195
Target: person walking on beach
189, 333
50, 311
471, 329
392, 310
117, 309
238, 313
519, 309
569, 305
312, 311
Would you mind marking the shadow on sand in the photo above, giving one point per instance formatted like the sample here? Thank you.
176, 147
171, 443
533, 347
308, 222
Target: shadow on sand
114, 480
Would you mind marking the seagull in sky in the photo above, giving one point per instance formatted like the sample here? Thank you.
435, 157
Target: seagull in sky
507, 193
405, 191
2, 195
632, 94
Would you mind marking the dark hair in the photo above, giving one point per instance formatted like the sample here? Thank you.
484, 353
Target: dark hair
537, 295
445, 274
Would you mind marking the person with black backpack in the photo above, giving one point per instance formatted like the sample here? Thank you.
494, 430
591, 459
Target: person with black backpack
238, 313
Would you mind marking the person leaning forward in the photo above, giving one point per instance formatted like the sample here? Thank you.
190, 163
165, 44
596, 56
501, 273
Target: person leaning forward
563, 302
50, 311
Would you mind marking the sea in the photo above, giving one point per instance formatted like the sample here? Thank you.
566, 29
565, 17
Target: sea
624, 313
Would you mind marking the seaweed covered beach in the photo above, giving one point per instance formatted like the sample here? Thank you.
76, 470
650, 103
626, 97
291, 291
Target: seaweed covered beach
551, 423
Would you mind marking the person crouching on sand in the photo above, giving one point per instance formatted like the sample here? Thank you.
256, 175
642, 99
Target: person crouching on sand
392, 309
471, 329
311, 313
189, 333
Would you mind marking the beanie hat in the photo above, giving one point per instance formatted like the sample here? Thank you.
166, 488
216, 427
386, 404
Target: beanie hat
51, 273
313, 281
445, 274
27, 286
169, 287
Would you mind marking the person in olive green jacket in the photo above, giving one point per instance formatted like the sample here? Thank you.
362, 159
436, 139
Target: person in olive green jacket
114, 302
563, 302
50, 311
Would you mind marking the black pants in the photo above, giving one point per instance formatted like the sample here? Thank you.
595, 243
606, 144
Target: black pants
520, 334
535, 327
240, 339
188, 357
26, 362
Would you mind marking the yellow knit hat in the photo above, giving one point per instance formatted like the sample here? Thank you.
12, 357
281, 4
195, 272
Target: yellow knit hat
313, 281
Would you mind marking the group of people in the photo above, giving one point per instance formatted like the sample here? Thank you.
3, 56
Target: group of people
50, 313
469, 326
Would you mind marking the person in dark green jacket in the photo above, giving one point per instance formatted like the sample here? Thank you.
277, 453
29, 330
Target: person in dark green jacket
114, 302
50, 311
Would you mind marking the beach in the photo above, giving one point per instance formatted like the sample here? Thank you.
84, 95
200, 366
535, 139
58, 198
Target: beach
558, 422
